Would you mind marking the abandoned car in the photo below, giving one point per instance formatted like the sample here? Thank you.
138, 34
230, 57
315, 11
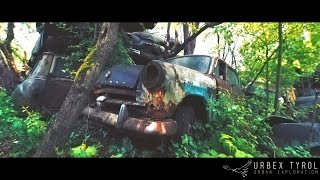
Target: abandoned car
163, 97
48, 77
46, 86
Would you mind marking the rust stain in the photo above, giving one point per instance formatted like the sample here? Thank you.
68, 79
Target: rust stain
156, 105
159, 94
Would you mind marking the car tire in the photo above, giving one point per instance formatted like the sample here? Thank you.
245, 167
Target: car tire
184, 116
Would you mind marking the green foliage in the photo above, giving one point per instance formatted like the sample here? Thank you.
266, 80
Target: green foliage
293, 151
60, 152
83, 151
124, 149
24, 134
237, 129
120, 53
73, 149
86, 49
300, 50
188, 147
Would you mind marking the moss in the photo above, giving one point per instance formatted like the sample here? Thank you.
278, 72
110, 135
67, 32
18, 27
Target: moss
119, 55
87, 63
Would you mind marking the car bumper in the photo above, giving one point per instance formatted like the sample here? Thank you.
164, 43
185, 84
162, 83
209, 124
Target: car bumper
122, 121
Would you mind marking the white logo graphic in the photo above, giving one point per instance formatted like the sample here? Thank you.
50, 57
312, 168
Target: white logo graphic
242, 170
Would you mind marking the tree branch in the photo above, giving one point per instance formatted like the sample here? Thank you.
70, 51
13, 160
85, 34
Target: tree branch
167, 45
10, 36
192, 37
260, 71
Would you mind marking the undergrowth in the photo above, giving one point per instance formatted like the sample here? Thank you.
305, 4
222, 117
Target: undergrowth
237, 128
19, 136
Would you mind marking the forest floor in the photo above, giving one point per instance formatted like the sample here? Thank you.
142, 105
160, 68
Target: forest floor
111, 141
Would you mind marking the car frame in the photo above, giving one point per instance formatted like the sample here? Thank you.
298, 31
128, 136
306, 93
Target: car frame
163, 97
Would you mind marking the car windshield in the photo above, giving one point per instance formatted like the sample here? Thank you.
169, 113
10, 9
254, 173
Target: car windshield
198, 63
43, 66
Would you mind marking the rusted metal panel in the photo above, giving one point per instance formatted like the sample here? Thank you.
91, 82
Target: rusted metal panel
115, 91
163, 127
120, 101
125, 76
179, 82
223, 86
104, 117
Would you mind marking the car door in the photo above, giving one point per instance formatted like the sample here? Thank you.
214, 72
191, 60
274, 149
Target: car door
31, 91
233, 81
220, 72
58, 84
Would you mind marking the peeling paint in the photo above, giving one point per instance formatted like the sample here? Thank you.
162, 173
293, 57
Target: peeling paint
196, 90
179, 82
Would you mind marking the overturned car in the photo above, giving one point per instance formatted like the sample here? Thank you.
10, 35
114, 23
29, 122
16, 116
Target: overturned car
162, 98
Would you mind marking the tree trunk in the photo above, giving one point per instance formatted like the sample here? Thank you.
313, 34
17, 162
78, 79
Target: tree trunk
2, 62
7, 50
167, 46
185, 27
278, 77
78, 95
176, 50
9, 73
189, 48
10, 36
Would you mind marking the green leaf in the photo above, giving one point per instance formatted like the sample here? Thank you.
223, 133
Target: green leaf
225, 136
222, 156
213, 153
120, 155
91, 151
205, 155
241, 154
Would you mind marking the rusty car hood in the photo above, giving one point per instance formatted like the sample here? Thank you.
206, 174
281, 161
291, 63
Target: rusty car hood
121, 76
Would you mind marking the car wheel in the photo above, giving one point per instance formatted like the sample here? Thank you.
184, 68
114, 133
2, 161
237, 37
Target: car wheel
184, 117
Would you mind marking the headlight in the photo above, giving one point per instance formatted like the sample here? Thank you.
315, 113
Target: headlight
153, 75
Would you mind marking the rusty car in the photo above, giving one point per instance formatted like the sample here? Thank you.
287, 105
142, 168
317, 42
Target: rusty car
162, 97
46, 86
48, 77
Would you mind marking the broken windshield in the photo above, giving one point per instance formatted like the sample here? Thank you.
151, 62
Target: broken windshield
198, 63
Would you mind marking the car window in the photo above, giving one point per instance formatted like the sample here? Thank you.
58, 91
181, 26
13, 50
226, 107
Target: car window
232, 77
43, 66
220, 70
61, 66
198, 63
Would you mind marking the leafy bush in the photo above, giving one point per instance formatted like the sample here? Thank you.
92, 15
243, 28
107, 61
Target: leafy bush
120, 53
293, 151
22, 135
237, 128
83, 151
124, 149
